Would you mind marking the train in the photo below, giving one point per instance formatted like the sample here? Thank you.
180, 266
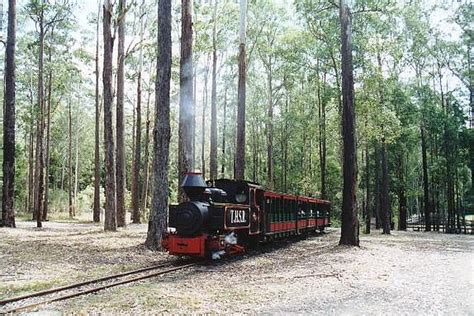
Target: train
225, 216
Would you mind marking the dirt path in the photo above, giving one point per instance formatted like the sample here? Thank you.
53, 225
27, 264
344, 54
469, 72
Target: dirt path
405, 273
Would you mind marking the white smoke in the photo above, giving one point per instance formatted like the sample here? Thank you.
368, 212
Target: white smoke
230, 239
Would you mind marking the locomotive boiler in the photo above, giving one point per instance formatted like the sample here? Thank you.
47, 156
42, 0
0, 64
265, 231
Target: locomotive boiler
225, 216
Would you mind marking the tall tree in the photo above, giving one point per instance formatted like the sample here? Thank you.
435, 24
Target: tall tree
224, 118
46, 16
48, 132
110, 211
322, 135
239, 164
8, 212
69, 163
120, 153
138, 132
385, 203
31, 182
213, 153
186, 118
96, 214
203, 122
384, 198
39, 163
426, 199
368, 213
349, 221
146, 167
161, 134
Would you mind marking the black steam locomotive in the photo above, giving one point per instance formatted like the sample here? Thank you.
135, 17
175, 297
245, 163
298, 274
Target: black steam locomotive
225, 216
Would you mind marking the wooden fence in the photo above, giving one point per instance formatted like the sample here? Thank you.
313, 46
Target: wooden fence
465, 227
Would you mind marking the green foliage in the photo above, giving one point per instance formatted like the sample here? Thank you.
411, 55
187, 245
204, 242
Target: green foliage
404, 66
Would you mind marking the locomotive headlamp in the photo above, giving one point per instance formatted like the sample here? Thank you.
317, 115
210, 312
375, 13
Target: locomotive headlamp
240, 197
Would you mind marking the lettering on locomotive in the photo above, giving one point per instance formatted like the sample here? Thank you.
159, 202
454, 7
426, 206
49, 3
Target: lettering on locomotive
237, 217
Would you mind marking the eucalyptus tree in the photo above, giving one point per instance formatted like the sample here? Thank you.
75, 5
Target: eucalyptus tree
96, 211
70, 190
110, 223
185, 150
119, 125
8, 211
239, 165
162, 132
213, 150
267, 48
60, 68
137, 146
45, 15
349, 220
322, 38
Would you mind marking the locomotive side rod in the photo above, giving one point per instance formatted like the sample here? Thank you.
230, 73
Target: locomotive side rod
92, 290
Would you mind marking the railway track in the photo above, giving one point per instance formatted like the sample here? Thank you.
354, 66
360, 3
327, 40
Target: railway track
29, 301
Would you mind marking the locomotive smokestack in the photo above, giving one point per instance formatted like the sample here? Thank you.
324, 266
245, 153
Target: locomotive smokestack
193, 185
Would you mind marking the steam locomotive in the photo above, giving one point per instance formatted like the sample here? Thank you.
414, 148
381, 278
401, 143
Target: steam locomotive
226, 216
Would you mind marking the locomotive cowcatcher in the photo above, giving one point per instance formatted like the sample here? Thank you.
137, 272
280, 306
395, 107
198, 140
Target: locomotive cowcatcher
225, 216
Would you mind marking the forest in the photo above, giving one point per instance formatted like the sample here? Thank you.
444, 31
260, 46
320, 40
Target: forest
365, 103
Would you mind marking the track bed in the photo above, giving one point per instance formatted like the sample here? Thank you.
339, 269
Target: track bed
388, 274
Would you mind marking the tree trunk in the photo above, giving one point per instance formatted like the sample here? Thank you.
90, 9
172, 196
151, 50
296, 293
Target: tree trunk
161, 135
48, 140
120, 151
378, 186
76, 168
285, 149
96, 214
69, 157
194, 111
146, 158
349, 221
239, 165
368, 214
39, 171
270, 162
138, 137
223, 134
31, 182
322, 137
185, 145
385, 205
449, 151
254, 150
213, 152
110, 211
27, 178
402, 199
8, 211
203, 125
385, 202
426, 200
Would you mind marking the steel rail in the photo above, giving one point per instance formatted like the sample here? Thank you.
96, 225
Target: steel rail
71, 286
88, 291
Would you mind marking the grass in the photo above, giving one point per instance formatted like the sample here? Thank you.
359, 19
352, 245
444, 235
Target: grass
12, 290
